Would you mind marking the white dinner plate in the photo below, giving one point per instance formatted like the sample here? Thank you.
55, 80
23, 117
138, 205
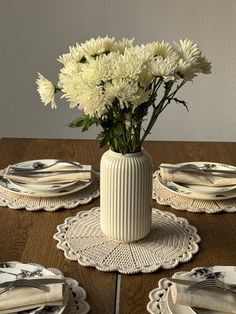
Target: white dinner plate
226, 274
16, 270
44, 190
201, 192
57, 187
207, 189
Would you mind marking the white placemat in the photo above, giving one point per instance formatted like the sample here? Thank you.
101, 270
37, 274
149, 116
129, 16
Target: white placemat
166, 197
76, 300
158, 298
18, 201
171, 241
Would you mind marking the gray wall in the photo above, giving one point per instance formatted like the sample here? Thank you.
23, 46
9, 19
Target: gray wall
33, 33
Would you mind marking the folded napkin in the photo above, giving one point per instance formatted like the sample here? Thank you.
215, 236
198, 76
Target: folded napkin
170, 172
53, 178
212, 299
25, 298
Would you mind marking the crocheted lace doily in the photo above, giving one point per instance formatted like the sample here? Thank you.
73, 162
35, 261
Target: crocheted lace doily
158, 298
171, 241
166, 197
18, 201
76, 302
76, 299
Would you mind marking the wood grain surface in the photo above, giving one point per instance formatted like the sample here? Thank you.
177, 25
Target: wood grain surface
28, 236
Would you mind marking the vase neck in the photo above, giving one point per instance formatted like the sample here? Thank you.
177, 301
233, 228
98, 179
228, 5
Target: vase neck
140, 153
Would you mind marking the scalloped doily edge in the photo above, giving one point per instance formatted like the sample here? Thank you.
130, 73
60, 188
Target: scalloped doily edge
186, 257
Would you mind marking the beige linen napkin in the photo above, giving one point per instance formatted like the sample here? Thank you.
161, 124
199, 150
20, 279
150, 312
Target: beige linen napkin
195, 178
212, 299
54, 178
24, 298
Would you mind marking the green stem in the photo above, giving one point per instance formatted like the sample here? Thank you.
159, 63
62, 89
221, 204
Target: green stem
171, 96
156, 111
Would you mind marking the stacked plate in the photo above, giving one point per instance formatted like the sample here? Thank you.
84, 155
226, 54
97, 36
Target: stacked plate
44, 189
11, 271
71, 300
161, 298
203, 192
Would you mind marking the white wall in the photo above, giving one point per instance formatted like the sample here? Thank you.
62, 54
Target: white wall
33, 33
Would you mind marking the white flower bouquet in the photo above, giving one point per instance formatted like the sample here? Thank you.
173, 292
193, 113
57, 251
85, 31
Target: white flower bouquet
116, 84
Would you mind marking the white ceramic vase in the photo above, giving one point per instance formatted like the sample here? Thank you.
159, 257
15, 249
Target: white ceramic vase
126, 195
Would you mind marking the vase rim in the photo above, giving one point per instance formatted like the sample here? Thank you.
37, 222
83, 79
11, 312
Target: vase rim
127, 154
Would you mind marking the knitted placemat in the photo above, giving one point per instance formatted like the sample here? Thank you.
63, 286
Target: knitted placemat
171, 241
158, 298
166, 197
32, 203
76, 304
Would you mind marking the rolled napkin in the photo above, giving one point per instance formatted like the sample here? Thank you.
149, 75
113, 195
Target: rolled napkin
175, 173
63, 174
25, 298
211, 298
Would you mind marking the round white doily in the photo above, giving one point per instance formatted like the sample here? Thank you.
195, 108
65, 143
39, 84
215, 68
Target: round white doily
166, 197
18, 201
158, 300
76, 300
171, 241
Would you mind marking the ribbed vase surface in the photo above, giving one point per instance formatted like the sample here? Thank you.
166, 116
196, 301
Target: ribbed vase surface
126, 195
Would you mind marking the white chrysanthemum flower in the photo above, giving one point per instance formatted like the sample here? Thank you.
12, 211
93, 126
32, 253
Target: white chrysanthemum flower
46, 91
190, 59
164, 68
132, 63
93, 100
123, 90
187, 50
141, 97
146, 77
190, 70
122, 45
87, 95
100, 69
70, 87
95, 47
162, 49
76, 54
72, 68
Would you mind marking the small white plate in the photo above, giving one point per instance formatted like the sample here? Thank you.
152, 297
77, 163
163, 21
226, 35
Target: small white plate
224, 273
16, 270
49, 190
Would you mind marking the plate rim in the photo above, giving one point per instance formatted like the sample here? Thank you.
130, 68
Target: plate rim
44, 193
197, 195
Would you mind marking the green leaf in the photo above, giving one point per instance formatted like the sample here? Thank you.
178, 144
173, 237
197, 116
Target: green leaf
182, 102
84, 122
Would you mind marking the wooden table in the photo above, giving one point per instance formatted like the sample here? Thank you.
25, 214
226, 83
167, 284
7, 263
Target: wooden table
28, 236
